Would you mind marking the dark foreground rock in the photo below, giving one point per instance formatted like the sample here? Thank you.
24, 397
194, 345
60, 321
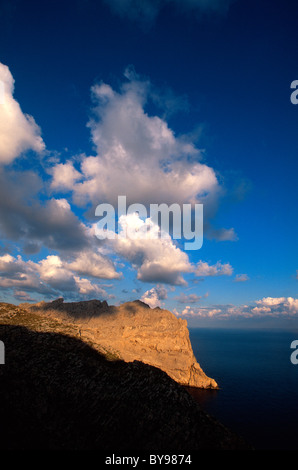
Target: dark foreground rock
57, 392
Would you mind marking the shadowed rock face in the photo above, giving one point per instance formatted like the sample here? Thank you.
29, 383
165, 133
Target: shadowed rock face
59, 393
134, 331
83, 309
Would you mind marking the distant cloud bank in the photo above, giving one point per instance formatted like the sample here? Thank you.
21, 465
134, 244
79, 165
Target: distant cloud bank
268, 307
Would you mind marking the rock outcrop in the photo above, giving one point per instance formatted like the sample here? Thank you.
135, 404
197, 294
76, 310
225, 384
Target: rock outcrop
59, 393
134, 331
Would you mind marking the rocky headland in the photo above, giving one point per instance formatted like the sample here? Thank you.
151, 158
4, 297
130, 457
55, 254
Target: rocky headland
61, 388
133, 331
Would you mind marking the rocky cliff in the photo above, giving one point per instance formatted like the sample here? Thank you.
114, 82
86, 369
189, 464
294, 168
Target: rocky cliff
58, 392
133, 331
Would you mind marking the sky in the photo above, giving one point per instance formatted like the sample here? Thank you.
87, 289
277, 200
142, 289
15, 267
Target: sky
163, 101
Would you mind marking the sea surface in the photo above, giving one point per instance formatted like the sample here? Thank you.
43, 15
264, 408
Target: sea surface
258, 395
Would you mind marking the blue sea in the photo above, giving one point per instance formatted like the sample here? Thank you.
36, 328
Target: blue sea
258, 395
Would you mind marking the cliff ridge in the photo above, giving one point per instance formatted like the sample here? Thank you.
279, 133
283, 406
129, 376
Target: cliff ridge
133, 331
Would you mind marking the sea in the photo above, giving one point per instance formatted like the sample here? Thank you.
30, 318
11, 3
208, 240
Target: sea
258, 383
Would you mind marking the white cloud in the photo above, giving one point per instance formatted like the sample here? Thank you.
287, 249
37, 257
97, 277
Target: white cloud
52, 271
94, 264
200, 312
18, 131
155, 259
137, 152
20, 275
261, 310
154, 296
279, 305
50, 276
85, 287
271, 301
268, 307
57, 272
64, 175
153, 254
203, 269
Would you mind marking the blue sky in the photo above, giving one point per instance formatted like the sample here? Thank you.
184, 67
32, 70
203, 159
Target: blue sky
99, 98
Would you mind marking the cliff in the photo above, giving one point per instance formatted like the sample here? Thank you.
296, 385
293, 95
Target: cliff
58, 392
134, 331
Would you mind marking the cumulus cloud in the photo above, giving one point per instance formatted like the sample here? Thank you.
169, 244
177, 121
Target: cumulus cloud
49, 225
94, 264
16, 274
64, 175
86, 288
50, 276
203, 269
18, 131
154, 296
58, 226
137, 152
191, 312
268, 307
52, 271
153, 254
155, 259
279, 305
62, 275
25, 219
